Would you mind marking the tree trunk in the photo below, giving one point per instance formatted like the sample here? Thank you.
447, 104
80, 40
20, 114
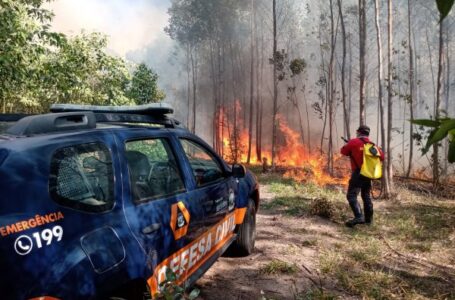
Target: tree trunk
436, 179
275, 89
350, 81
194, 78
385, 178
430, 56
215, 98
259, 67
347, 130
331, 94
447, 96
250, 128
390, 94
325, 82
188, 85
411, 93
233, 137
362, 53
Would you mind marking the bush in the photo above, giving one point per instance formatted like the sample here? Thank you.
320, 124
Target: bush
322, 207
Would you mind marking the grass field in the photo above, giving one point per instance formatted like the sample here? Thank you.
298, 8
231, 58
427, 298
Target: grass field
407, 253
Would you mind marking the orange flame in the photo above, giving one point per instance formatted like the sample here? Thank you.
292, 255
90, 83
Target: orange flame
291, 154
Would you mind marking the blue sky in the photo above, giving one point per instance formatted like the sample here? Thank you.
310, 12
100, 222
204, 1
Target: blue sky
131, 25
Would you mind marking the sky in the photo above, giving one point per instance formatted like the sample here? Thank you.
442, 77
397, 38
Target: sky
131, 25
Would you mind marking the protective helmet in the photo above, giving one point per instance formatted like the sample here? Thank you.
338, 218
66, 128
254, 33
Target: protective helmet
364, 129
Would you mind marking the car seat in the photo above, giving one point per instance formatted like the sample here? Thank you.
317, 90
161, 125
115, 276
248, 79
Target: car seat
139, 168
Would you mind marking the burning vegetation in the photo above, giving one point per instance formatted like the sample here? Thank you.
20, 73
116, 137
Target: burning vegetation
293, 159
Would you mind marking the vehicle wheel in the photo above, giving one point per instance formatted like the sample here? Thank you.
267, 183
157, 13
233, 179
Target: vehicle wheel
246, 235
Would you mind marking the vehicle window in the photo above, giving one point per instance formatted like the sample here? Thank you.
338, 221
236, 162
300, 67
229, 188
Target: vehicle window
205, 167
153, 169
82, 177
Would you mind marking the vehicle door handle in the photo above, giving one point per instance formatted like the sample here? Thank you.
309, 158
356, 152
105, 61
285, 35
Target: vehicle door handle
151, 228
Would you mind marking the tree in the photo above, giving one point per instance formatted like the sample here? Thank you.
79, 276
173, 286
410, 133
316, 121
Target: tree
144, 88
24, 38
411, 91
250, 127
389, 165
275, 57
362, 53
346, 123
189, 25
441, 127
385, 178
437, 106
80, 71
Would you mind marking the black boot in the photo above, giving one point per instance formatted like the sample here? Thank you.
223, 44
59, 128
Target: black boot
358, 218
355, 221
368, 218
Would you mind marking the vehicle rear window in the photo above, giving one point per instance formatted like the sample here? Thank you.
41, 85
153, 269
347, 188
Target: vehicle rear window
82, 177
153, 169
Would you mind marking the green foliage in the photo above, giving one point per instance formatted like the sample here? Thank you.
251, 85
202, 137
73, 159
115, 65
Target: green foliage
153, 148
194, 21
144, 88
442, 128
170, 290
24, 38
39, 67
80, 71
444, 7
426, 122
297, 66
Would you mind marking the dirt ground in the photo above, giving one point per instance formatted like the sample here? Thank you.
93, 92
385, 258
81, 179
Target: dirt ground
279, 237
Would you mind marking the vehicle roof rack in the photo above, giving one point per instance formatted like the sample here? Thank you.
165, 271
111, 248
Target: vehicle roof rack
152, 113
155, 109
12, 117
54, 122
65, 117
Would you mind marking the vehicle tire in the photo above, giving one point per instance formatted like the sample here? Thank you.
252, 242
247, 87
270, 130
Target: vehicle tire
246, 234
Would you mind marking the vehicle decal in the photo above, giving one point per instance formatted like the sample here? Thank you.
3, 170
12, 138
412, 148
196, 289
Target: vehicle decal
221, 204
231, 199
38, 220
189, 259
24, 243
240, 215
180, 219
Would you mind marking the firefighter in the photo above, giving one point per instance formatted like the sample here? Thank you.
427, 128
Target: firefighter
359, 183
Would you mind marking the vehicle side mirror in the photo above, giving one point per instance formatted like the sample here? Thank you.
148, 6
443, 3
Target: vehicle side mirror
238, 171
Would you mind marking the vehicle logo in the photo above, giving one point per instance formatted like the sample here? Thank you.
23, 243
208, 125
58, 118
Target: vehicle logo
23, 245
180, 219
231, 199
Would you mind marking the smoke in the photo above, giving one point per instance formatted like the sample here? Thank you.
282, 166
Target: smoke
130, 25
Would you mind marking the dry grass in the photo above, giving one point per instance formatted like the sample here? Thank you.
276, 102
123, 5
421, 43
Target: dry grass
279, 267
408, 253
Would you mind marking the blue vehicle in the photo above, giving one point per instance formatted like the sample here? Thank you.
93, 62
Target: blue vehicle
99, 202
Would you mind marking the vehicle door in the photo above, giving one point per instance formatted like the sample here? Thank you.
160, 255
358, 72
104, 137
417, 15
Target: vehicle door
161, 215
76, 238
212, 183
